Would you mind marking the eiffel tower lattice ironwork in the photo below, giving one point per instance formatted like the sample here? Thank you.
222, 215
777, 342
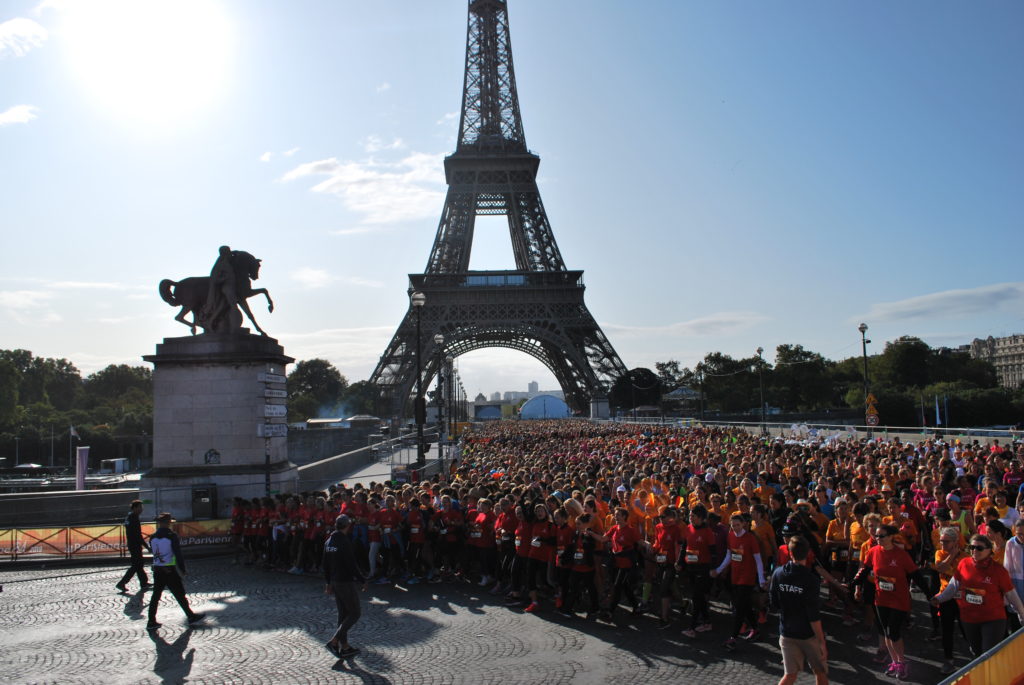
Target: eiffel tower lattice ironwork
538, 308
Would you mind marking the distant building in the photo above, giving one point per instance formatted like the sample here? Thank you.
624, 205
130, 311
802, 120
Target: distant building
480, 397
1006, 354
533, 388
515, 395
496, 396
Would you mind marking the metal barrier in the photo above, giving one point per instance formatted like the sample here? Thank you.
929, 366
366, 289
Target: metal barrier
1003, 664
108, 540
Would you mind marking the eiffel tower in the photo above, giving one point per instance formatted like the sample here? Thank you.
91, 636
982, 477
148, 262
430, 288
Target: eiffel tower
537, 308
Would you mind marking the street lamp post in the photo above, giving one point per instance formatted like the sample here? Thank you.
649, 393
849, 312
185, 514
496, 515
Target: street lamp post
418, 299
863, 328
439, 342
449, 393
760, 382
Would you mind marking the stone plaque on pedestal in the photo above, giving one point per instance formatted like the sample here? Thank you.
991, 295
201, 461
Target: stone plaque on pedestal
219, 408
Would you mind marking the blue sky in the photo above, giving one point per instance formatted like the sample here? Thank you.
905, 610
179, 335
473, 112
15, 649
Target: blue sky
728, 175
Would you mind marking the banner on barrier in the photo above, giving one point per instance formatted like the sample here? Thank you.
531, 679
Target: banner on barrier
1004, 663
102, 540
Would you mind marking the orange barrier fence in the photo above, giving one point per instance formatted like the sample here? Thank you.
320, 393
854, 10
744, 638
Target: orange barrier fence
1004, 663
103, 540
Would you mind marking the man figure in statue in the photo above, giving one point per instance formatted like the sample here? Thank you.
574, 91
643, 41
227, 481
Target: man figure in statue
221, 298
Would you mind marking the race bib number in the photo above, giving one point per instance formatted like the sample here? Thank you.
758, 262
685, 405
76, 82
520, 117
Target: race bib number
444, 531
506, 538
535, 542
886, 586
737, 556
387, 530
661, 558
518, 542
844, 554
691, 558
476, 534
578, 556
414, 530
856, 554
973, 598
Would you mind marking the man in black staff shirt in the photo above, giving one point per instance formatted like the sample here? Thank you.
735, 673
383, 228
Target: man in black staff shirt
343, 575
133, 536
794, 594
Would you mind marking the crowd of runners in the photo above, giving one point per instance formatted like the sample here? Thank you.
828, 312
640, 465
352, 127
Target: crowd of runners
593, 519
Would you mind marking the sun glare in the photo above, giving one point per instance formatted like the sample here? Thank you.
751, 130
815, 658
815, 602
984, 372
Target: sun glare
150, 63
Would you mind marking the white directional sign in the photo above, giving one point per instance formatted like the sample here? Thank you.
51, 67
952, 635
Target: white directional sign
275, 410
272, 430
270, 378
283, 394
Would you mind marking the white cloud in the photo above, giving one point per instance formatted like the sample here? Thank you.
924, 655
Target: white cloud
383, 192
19, 35
312, 278
383, 87
85, 285
448, 118
351, 231
946, 304
23, 299
374, 143
265, 157
289, 153
19, 114
355, 351
721, 323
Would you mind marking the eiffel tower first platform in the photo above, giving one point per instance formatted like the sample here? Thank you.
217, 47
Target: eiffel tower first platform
538, 308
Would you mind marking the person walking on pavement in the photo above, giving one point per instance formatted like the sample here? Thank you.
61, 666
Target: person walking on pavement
133, 535
794, 592
343, 575
168, 570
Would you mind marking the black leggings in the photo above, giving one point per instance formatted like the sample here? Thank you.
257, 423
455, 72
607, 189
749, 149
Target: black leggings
949, 613
580, 582
700, 588
623, 584
743, 608
890, 622
984, 636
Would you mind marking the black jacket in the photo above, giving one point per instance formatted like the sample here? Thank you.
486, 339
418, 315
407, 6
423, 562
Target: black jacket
340, 561
133, 533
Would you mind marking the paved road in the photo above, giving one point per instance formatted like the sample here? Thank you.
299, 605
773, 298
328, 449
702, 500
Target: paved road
69, 625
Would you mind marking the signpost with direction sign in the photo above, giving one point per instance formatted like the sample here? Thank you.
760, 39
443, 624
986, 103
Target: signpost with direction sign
871, 413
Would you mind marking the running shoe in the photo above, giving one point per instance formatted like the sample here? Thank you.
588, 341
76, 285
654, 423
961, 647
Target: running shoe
334, 649
121, 588
153, 625
762, 617
532, 607
750, 635
196, 618
893, 669
730, 644
663, 624
434, 580
382, 581
558, 602
146, 586
690, 633
935, 635
948, 667
412, 580
903, 671
703, 628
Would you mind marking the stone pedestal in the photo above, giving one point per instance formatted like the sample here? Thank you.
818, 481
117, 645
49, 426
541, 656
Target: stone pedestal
219, 422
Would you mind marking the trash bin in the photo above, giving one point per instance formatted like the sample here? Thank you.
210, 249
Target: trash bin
204, 502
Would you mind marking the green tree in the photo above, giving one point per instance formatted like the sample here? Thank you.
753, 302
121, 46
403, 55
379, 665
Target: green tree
800, 380
111, 385
319, 380
636, 387
905, 363
672, 375
8, 393
362, 398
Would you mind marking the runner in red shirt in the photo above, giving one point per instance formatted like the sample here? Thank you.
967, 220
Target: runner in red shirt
391, 537
486, 547
891, 568
521, 561
504, 534
982, 587
578, 556
623, 538
696, 550
664, 554
449, 524
743, 559
563, 570
541, 552
416, 522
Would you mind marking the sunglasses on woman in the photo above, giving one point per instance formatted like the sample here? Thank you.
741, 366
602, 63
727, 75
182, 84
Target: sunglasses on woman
977, 548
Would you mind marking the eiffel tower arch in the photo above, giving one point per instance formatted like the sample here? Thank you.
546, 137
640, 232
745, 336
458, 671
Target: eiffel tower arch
537, 308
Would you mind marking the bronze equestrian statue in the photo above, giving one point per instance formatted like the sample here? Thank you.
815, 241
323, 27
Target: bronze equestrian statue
214, 300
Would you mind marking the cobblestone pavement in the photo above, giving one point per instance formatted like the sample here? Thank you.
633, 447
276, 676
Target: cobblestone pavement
69, 625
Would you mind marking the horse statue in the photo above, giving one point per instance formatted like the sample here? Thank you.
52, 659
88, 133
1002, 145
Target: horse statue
229, 286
